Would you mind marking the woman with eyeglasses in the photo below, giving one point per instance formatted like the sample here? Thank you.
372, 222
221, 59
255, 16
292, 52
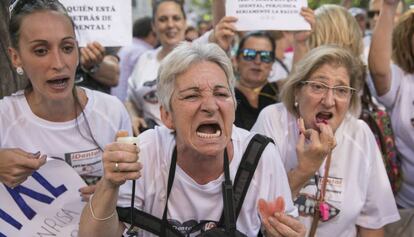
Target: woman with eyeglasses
52, 118
391, 64
334, 165
254, 60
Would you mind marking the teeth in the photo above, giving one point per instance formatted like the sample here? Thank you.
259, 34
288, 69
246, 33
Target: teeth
58, 84
209, 135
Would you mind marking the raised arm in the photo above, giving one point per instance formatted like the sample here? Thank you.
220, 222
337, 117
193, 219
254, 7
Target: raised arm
224, 32
99, 217
218, 8
379, 58
300, 44
364, 232
312, 148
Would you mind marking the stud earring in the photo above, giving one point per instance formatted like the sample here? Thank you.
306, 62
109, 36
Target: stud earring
296, 104
20, 71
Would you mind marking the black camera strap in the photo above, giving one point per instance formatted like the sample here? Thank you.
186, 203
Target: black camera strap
244, 175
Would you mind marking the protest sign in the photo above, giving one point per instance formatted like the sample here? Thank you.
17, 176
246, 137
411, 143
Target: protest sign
46, 204
107, 21
267, 14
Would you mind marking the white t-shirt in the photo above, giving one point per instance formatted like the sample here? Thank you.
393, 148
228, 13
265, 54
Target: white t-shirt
278, 71
400, 102
358, 185
142, 86
189, 202
21, 128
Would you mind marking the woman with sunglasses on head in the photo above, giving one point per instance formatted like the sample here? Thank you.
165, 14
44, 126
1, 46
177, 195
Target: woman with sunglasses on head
254, 60
52, 118
391, 64
334, 165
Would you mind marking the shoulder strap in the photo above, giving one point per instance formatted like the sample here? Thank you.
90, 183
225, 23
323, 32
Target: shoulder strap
146, 222
246, 170
242, 181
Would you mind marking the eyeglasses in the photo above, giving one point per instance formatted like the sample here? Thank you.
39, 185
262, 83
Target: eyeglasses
371, 14
320, 88
250, 55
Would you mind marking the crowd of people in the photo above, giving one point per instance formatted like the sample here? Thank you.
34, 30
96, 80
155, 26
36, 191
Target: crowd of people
239, 133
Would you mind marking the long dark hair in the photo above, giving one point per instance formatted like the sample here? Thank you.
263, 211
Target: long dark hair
24, 8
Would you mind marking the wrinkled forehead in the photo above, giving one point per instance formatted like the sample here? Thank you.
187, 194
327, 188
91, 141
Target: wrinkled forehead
332, 74
203, 76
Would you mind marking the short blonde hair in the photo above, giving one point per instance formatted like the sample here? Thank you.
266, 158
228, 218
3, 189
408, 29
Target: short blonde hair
315, 59
402, 45
335, 25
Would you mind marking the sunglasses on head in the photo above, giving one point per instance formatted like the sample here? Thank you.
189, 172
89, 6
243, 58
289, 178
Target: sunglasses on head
250, 55
17, 5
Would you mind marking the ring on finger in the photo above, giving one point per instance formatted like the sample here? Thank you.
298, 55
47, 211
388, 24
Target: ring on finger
117, 167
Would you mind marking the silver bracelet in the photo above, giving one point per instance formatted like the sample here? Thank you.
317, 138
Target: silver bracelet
97, 218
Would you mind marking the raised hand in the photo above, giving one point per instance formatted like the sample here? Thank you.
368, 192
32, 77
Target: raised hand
91, 55
17, 165
391, 2
224, 32
309, 15
313, 146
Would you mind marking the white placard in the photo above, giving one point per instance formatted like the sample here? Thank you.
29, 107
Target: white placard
107, 21
55, 213
267, 14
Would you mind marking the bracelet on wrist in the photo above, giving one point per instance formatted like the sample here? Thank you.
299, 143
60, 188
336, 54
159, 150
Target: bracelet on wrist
93, 213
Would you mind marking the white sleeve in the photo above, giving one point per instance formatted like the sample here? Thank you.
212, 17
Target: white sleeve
126, 121
389, 98
379, 208
134, 81
263, 123
203, 39
272, 179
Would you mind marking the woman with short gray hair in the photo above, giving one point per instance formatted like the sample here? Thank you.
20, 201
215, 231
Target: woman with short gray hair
183, 59
196, 86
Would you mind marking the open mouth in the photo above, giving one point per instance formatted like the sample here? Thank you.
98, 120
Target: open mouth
212, 130
323, 117
256, 70
58, 83
171, 34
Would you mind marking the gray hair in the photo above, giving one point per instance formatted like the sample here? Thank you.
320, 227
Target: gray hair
315, 59
181, 59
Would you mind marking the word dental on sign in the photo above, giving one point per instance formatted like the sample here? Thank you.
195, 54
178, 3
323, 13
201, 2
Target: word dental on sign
46, 204
268, 14
107, 21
